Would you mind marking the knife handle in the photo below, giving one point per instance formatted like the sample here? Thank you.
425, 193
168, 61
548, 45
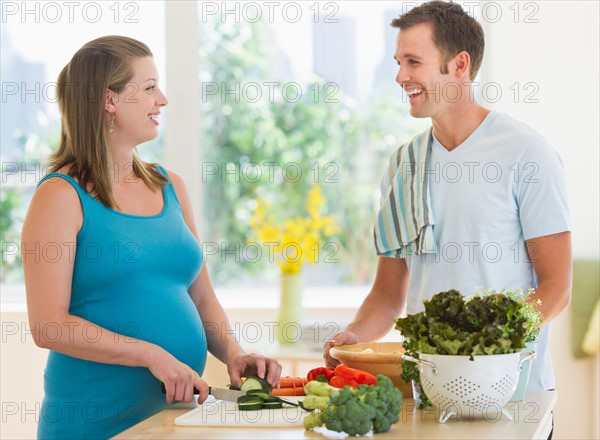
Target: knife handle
163, 388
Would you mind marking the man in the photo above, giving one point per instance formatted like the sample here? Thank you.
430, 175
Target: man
494, 191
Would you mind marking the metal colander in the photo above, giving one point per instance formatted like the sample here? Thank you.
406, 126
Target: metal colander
459, 386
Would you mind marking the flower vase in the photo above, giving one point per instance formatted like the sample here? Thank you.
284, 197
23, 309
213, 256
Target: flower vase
291, 312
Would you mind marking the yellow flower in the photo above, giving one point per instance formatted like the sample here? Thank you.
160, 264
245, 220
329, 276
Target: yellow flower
315, 201
296, 240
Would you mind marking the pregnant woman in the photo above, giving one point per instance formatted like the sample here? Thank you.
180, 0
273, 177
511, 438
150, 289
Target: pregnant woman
116, 286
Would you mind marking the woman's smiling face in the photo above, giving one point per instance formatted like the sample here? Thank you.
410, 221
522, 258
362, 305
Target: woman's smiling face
138, 105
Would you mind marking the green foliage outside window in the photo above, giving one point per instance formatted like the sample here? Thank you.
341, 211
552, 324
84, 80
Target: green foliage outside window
340, 145
334, 141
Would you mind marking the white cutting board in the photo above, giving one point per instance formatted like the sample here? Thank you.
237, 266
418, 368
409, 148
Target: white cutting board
224, 413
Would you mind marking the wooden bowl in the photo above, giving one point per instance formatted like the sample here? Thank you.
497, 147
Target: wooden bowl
375, 358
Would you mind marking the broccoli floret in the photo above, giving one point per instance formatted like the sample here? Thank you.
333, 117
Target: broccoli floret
356, 412
346, 412
349, 413
387, 404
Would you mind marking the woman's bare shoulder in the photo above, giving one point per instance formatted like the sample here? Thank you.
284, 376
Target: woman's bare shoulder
56, 198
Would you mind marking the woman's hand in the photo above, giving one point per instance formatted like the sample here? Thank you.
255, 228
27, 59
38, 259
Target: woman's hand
341, 338
253, 365
179, 379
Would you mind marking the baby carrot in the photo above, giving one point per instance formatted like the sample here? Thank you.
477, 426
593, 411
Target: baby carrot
290, 382
291, 391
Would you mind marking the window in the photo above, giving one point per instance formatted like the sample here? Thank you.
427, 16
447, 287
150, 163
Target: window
38, 39
292, 94
295, 94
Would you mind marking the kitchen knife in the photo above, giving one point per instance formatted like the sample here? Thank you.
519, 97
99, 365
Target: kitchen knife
218, 393
225, 394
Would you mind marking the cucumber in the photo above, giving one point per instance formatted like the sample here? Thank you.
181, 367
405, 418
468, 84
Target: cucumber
272, 405
258, 396
254, 400
250, 406
249, 403
249, 399
255, 383
263, 394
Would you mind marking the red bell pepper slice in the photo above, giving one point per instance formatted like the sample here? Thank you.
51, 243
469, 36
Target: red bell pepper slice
361, 377
322, 374
340, 382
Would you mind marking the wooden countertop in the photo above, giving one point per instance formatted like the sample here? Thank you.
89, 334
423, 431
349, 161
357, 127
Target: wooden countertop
532, 419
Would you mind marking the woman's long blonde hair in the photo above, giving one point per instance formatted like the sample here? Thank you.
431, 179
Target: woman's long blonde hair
101, 64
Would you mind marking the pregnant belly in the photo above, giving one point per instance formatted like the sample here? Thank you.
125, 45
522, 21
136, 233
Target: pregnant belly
168, 319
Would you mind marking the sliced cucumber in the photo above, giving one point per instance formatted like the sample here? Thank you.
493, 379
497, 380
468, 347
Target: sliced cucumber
250, 406
272, 405
263, 394
249, 403
258, 396
249, 399
255, 383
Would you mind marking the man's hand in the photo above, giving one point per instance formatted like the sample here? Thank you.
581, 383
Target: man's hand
343, 338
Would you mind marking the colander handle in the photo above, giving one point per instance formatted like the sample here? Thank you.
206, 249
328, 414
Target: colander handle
420, 361
525, 356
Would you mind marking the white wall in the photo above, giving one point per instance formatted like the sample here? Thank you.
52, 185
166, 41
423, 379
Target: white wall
557, 58
21, 378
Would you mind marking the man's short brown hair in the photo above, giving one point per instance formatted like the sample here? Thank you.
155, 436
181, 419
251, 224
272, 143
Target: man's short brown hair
453, 31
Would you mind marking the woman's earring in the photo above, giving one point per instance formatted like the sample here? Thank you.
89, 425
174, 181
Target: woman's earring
111, 127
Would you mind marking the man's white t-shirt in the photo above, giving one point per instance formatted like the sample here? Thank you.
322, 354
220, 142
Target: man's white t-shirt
503, 185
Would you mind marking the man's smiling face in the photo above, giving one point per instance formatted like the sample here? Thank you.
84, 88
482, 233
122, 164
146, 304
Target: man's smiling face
420, 71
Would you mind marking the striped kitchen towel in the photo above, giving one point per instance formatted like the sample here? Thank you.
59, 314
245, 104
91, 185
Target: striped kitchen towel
405, 222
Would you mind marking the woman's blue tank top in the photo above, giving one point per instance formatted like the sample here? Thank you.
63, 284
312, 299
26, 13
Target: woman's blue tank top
131, 276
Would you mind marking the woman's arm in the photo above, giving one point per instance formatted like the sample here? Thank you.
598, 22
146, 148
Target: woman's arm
53, 220
220, 335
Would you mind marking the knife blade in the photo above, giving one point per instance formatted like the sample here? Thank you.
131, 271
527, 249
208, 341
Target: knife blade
225, 394
218, 393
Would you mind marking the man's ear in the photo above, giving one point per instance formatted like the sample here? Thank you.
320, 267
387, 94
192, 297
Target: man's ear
462, 63
109, 103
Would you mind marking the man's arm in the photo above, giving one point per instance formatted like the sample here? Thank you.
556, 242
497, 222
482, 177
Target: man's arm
553, 264
385, 302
